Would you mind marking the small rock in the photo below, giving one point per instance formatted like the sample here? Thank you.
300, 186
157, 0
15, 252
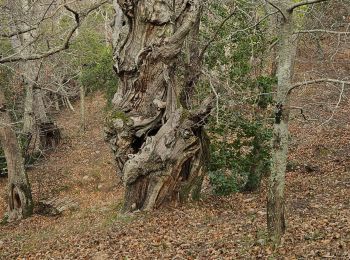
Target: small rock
105, 187
100, 256
104, 209
86, 178
261, 242
133, 206
118, 123
261, 213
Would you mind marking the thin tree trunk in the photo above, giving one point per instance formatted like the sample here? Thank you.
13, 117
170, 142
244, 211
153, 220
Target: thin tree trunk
269, 64
40, 110
57, 103
20, 197
82, 107
47, 131
286, 55
28, 117
158, 142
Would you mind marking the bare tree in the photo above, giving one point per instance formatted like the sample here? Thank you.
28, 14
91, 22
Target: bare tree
21, 28
285, 70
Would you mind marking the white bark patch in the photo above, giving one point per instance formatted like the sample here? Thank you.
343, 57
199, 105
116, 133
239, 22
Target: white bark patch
158, 12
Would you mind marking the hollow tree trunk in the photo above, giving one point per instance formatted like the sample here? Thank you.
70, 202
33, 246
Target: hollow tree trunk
158, 142
20, 197
286, 54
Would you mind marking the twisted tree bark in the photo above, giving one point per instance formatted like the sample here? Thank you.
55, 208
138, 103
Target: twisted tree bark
158, 141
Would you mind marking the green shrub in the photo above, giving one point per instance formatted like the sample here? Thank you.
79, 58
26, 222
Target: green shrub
223, 182
93, 59
265, 86
240, 155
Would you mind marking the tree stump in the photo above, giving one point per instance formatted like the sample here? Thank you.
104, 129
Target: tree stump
50, 135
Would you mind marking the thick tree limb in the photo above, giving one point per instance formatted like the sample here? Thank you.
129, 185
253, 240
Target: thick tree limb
158, 143
307, 2
277, 7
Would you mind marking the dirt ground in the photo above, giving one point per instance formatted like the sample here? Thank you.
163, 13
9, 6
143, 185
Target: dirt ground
233, 227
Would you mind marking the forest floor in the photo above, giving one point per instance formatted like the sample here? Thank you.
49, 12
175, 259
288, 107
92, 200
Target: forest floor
232, 227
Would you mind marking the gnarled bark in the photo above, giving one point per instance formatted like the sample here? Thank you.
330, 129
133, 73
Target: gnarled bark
159, 144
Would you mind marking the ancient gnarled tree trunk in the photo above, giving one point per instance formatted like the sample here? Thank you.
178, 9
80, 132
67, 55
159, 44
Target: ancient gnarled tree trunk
20, 197
157, 139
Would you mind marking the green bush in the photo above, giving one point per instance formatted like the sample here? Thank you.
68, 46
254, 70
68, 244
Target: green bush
265, 86
240, 142
240, 155
93, 59
99, 74
223, 182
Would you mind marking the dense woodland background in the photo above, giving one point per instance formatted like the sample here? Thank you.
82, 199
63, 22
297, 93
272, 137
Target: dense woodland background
224, 79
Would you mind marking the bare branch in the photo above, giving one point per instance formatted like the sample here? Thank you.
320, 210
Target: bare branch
9, 35
306, 2
76, 15
309, 82
336, 106
213, 38
276, 7
324, 31
301, 111
33, 27
65, 45
217, 100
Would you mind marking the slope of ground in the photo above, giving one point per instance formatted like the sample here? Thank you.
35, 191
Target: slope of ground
318, 206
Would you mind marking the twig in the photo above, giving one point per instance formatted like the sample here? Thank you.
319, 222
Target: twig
336, 106
217, 100
324, 31
213, 38
301, 111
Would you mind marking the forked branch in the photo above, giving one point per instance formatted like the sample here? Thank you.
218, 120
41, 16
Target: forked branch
307, 2
79, 17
